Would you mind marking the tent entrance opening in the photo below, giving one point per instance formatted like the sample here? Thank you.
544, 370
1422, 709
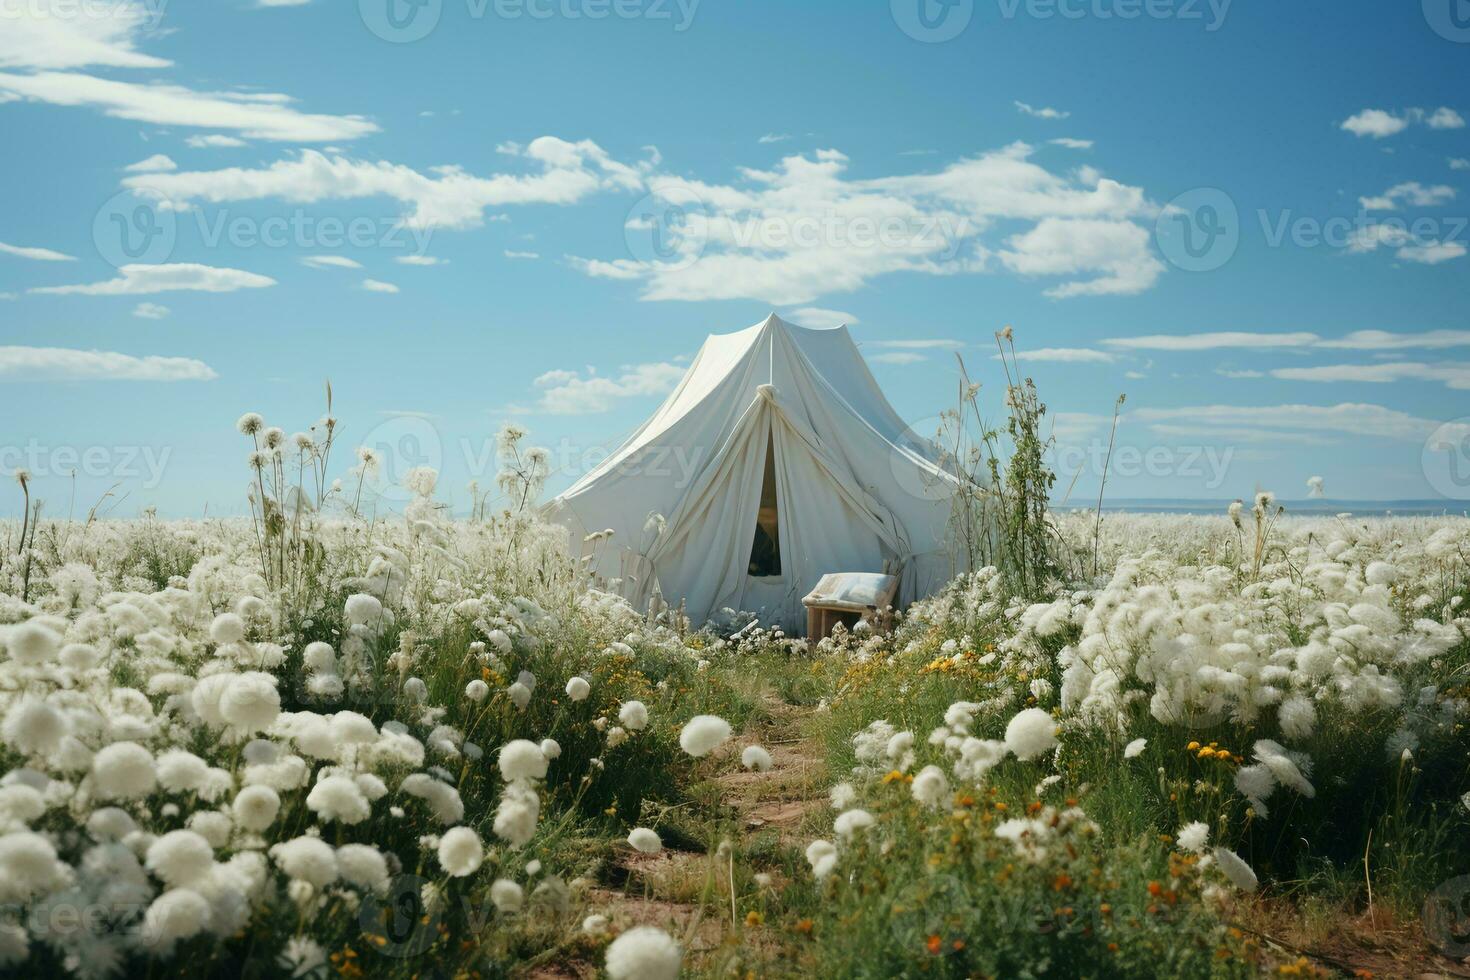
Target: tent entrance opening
765, 550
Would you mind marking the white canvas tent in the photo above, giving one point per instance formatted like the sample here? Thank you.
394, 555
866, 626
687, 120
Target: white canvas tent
774, 461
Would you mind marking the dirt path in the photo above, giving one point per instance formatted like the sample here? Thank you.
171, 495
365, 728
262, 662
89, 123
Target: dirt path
769, 808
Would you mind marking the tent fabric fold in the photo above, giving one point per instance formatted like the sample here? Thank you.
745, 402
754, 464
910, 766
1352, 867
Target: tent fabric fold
856, 490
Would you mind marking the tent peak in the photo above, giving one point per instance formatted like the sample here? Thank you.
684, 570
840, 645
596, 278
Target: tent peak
774, 322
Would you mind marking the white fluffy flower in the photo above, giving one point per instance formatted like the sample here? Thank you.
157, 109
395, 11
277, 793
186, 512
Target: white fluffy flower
319, 658
702, 734
822, 856
756, 758
477, 690
1298, 717
1239, 873
1194, 836
180, 857
1135, 748
124, 770
551, 748
850, 822
520, 695
644, 840
1030, 734
250, 703
33, 725
179, 913
28, 867
308, 859
363, 865
180, 771
507, 896
578, 689
339, 798
460, 852
644, 953
227, 628
32, 644
930, 787
522, 759
633, 715
517, 813
256, 807
363, 610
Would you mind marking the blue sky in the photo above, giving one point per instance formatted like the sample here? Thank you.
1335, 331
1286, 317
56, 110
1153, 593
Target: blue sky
1249, 217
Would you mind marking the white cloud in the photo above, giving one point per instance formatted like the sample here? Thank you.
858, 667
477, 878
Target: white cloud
1352, 418
1239, 373
258, 115
1071, 144
1064, 355
157, 163
283, 3
150, 311
1212, 341
1445, 118
816, 316
378, 286
1432, 253
513, 254
897, 357
448, 197
45, 41
145, 279
1384, 340
1453, 374
1411, 192
936, 343
330, 261
774, 138
569, 393
57, 34
1459, 163
213, 141
1375, 123
1380, 123
1042, 113
36, 254
1118, 251
1232, 434
789, 235
1410, 248
424, 260
1356, 340
67, 364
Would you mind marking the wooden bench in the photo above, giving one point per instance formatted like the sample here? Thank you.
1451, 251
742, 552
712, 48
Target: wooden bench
847, 598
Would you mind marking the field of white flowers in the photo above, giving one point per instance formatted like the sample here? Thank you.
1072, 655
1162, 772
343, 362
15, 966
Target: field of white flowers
317, 744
